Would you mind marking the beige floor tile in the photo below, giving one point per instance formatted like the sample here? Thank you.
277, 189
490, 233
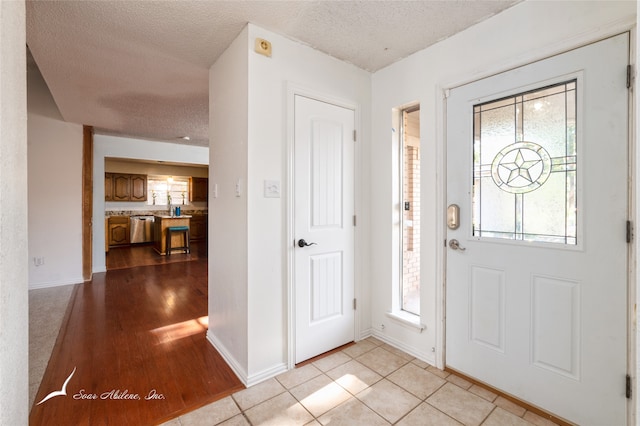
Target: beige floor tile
416, 380
359, 348
460, 404
211, 414
402, 354
426, 415
313, 422
331, 361
483, 393
293, 378
381, 361
440, 373
459, 381
354, 376
282, 410
320, 395
500, 417
238, 420
388, 400
352, 413
375, 341
420, 363
256, 394
510, 406
537, 420
172, 422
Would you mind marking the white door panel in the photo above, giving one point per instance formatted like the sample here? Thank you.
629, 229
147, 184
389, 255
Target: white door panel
537, 308
323, 210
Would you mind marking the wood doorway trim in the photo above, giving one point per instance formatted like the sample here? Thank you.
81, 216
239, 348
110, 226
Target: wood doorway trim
87, 202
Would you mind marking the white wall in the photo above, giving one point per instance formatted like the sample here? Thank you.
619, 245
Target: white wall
121, 147
228, 98
263, 266
524, 33
14, 308
55, 190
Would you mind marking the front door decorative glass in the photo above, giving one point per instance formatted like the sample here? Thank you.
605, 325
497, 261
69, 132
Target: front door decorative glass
525, 165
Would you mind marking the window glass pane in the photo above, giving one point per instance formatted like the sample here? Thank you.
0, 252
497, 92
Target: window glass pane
165, 190
525, 165
410, 203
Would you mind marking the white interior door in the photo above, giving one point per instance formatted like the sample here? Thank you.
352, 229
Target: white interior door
537, 161
324, 208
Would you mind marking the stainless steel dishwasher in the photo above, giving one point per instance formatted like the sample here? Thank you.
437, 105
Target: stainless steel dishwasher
141, 229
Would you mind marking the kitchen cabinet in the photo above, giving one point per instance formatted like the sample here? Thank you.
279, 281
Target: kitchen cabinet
138, 188
198, 189
199, 227
118, 231
125, 187
108, 186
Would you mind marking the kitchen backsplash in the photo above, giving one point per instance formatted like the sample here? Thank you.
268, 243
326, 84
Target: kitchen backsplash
194, 212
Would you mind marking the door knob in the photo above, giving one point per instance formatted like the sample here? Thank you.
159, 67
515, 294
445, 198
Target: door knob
454, 244
303, 243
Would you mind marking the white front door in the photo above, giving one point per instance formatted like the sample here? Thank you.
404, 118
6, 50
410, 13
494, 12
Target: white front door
323, 226
536, 287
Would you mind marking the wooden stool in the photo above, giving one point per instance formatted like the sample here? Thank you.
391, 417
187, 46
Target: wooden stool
185, 231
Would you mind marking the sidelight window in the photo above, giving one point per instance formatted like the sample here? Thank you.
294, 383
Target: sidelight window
410, 209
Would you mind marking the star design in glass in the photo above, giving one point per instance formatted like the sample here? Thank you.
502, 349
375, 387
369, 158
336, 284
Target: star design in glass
519, 167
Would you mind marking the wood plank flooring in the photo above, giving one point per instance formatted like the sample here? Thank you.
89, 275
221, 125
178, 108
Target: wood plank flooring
144, 254
134, 333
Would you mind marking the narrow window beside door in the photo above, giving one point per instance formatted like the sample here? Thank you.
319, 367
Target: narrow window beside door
410, 206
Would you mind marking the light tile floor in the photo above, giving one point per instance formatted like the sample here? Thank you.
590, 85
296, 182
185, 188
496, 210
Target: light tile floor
369, 383
47, 307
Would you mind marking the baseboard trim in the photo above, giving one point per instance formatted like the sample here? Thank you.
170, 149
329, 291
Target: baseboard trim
422, 356
230, 360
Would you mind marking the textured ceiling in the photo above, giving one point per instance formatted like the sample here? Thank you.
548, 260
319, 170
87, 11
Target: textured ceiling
140, 68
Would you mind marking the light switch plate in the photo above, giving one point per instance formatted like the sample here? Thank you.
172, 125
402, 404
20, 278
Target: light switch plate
272, 189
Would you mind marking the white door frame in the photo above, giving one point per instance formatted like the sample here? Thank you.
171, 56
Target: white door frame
293, 89
442, 92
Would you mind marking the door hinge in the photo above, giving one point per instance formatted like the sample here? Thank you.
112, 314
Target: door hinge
628, 390
354, 306
629, 231
354, 220
629, 76
354, 135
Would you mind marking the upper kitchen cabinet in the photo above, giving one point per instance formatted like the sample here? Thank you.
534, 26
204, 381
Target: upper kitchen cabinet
125, 187
138, 188
108, 186
198, 189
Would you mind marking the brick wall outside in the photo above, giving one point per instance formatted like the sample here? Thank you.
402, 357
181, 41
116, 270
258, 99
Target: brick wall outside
411, 234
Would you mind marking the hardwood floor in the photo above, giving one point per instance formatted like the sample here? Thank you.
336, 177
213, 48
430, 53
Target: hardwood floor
134, 333
144, 254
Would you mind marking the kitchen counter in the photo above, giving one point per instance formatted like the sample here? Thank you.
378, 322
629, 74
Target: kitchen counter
160, 225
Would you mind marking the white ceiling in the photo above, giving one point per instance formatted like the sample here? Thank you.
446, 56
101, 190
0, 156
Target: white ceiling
140, 68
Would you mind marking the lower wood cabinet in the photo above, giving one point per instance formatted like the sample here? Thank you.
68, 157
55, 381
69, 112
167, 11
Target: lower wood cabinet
198, 189
198, 227
118, 231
